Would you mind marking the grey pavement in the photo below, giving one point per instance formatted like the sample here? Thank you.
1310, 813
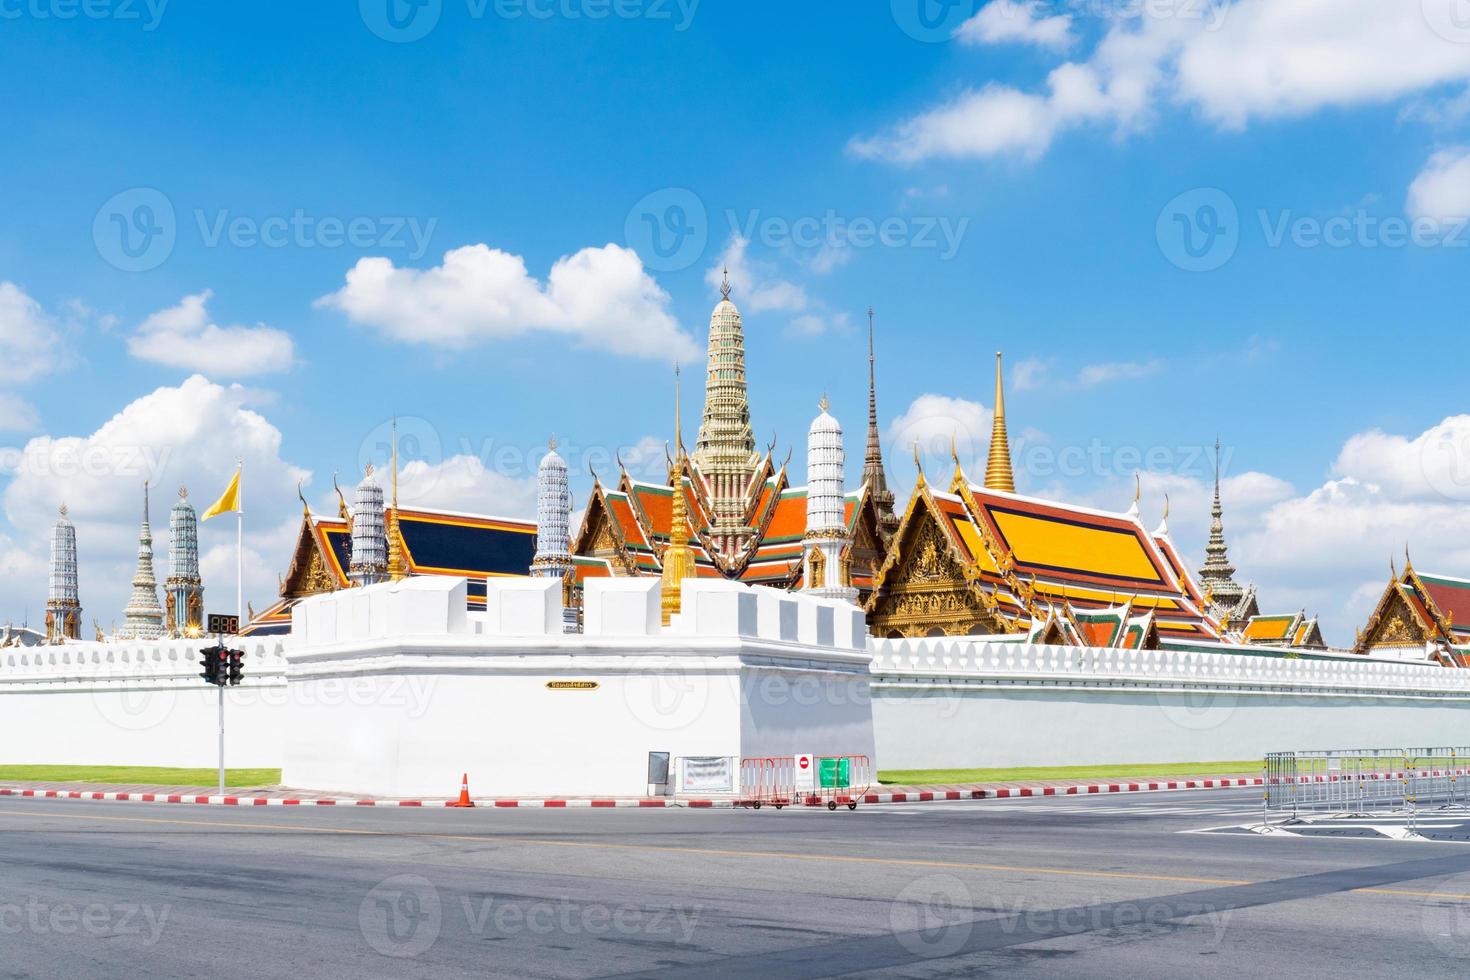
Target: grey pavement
1075, 887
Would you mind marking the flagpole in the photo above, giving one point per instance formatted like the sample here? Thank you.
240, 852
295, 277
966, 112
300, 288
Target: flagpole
240, 549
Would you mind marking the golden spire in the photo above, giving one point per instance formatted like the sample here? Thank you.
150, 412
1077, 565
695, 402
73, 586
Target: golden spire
678, 558
397, 566
998, 473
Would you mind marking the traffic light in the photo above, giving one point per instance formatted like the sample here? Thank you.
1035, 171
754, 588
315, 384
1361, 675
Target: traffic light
236, 672
209, 659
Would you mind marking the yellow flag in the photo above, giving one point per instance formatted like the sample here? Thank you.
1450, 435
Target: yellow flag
229, 502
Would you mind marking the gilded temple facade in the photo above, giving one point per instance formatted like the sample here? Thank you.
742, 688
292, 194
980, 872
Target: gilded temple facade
738, 512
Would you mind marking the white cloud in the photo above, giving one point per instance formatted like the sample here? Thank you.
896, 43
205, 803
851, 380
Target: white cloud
1442, 189
1017, 21
1232, 62
816, 325
189, 435
754, 284
1099, 374
17, 414
182, 336
937, 422
602, 297
30, 340
463, 483
1034, 373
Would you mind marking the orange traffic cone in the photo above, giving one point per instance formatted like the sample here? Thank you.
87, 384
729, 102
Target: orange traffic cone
464, 794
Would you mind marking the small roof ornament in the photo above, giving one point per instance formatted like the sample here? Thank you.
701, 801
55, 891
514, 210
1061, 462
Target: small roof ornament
725, 284
552, 444
183, 493
64, 510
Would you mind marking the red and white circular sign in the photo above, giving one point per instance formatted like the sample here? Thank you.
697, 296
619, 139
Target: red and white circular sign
804, 761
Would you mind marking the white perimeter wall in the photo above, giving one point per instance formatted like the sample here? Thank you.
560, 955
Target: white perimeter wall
138, 704
969, 704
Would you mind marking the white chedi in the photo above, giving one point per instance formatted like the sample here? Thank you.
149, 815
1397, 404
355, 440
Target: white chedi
826, 544
369, 563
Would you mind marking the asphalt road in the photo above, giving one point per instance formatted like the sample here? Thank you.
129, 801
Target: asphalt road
1088, 887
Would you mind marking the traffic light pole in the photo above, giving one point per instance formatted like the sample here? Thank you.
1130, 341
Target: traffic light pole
221, 731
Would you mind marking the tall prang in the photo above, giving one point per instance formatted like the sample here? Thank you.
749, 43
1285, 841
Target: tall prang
826, 544
143, 617
184, 590
725, 451
369, 564
873, 473
63, 597
1229, 601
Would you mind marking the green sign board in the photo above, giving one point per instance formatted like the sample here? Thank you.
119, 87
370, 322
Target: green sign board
834, 773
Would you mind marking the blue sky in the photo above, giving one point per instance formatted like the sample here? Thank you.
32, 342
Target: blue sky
1035, 167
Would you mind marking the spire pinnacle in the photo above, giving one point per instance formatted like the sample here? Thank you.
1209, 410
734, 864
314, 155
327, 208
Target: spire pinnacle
551, 444
678, 417
873, 474
998, 472
397, 564
725, 284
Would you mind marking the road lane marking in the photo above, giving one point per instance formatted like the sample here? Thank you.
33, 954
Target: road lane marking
712, 852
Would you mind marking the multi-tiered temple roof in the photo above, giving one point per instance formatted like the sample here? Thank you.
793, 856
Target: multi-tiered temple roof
435, 542
745, 520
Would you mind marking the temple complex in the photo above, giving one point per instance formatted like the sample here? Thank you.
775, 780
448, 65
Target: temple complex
982, 560
742, 516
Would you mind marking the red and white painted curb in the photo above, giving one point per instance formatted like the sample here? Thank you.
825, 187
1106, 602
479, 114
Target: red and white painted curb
922, 796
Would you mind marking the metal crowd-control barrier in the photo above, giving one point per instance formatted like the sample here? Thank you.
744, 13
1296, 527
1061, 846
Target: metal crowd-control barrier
1361, 781
841, 780
768, 780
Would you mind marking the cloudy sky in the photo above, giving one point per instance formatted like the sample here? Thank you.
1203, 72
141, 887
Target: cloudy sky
260, 233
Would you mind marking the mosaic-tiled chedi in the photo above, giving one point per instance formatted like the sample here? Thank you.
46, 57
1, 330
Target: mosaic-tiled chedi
63, 597
184, 590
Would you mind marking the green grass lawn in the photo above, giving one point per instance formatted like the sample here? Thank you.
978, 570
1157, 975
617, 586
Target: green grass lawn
920, 777
148, 775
